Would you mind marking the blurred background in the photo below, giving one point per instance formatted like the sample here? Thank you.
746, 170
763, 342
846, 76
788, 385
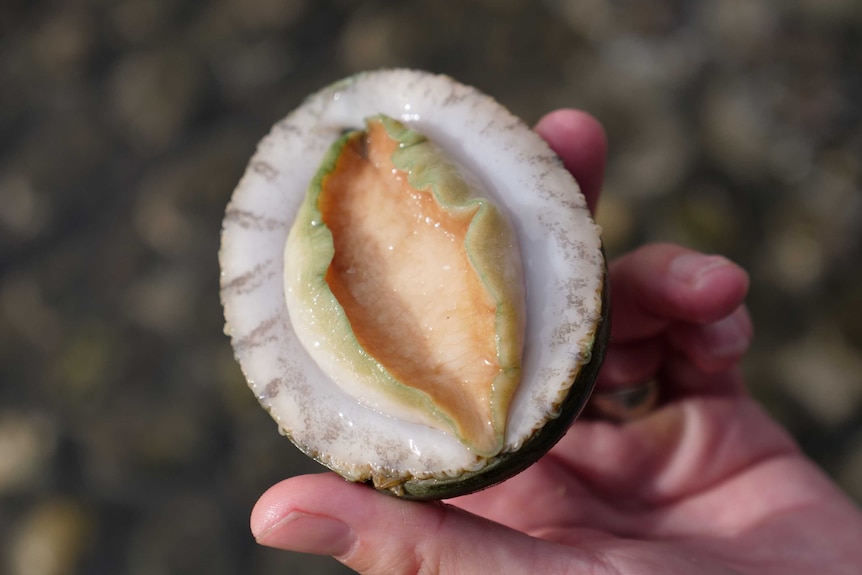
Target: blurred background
128, 440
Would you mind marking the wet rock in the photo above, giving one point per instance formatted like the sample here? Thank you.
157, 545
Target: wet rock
263, 15
796, 260
62, 43
136, 21
828, 12
822, 373
733, 126
25, 211
181, 535
52, 539
27, 444
706, 218
739, 30
154, 95
163, 301
174, 211
654, 159
243, 68
373, 39
63, 148
85, 364
736, 128
591, 19
27, 314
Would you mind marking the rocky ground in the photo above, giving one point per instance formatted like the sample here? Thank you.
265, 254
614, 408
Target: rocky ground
128, 440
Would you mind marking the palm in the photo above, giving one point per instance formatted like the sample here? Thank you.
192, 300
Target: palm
715, 502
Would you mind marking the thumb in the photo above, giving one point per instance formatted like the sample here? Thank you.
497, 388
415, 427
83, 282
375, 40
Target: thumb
374, 533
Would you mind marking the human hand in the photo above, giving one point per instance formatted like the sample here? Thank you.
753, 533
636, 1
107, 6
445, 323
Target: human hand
707, 483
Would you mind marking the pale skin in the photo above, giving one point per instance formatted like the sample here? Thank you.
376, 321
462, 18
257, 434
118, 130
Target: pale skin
705, 484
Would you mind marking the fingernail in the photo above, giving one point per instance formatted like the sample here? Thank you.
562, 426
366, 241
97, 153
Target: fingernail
728, 338
692, 268
307, 533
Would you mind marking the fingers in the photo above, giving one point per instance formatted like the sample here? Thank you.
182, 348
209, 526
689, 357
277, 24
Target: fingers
630, 364
580, 141
659, 284
694, 299
374, 533
679, 316
717, 346
681, 378
699, 351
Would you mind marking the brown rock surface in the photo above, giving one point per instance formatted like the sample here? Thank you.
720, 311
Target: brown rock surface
733, 127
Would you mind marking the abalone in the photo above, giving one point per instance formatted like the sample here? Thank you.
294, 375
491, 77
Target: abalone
413, 285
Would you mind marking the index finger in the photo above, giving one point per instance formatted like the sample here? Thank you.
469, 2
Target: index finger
580, 141
659, 284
